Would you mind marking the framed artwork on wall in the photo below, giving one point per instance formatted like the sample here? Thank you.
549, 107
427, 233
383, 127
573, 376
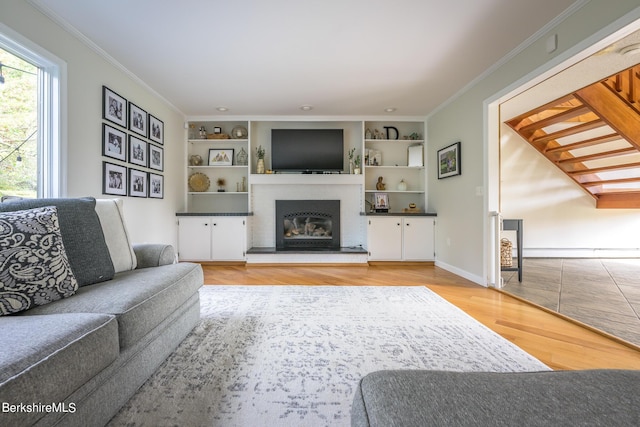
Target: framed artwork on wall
137, 120
114, 179
156, 157
114, 107
114, 143
156, 186
138, 151
137, 183
449, 161
156, 130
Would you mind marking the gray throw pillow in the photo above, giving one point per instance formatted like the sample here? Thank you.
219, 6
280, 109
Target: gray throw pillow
81, 233
34, 268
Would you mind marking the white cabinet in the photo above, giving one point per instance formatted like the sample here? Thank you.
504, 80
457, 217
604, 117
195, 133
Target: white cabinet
398, 238
212, 238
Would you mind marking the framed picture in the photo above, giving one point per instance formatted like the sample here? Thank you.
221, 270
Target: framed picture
156, 186
375, 158
222, 157
381, 202
114, 107
137, 183
138, 151
114, 143
137, 120
156, 157
114, 179
449, 161
156, 130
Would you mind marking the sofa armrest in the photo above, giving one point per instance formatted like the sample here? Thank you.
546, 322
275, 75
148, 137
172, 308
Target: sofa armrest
154, 254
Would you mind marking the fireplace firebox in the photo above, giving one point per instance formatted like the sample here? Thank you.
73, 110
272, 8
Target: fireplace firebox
307, 224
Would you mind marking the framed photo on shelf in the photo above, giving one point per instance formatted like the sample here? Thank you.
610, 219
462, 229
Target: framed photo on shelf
381, 202
156, 186
156, 130
114, 179
137, 183
137, 120
223, 157
375, 158
449, 161
156, 157
138, 151
114, 143
114, 107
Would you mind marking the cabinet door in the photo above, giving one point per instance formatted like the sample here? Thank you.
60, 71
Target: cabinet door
228, 238
384, 239
194, 238
418, 239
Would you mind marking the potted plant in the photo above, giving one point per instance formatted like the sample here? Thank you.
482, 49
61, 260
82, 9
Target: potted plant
356, 164
351, 163
260, 154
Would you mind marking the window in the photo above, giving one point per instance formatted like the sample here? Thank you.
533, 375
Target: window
50, 128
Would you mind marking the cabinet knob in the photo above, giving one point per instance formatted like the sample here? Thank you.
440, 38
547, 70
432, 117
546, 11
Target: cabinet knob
398, 224
408, 224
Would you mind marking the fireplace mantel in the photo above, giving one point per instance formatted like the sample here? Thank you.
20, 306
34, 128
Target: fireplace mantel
305, 179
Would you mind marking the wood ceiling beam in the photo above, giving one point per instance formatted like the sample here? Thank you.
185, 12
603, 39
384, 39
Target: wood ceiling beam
583, 144
570, 131
598, 156
628, 200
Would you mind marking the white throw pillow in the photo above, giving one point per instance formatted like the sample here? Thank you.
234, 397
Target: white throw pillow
115, 234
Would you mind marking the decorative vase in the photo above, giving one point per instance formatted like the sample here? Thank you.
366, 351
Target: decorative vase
356, 171
351, 169
260, 167
402, 186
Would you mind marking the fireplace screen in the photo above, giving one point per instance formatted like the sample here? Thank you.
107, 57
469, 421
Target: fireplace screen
310, 227
307, 224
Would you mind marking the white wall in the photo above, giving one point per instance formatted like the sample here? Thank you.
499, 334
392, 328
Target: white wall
461, 213
560, 218
148, 220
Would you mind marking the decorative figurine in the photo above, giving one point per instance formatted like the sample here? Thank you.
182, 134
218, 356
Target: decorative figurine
380, 185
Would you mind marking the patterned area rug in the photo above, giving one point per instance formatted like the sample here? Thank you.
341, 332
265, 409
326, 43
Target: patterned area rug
292, 355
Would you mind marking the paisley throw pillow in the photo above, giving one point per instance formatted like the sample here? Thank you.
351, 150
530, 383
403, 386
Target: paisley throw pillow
34, 269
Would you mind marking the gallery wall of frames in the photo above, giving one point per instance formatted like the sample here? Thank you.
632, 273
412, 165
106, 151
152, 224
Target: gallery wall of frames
133, 156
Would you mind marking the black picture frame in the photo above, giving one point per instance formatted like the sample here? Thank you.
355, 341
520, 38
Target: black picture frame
156, 186
221, 156
114, 179
138, 183
114, 107
114, 143
449, 161
138, 120
156, 157
138, 151
156, 130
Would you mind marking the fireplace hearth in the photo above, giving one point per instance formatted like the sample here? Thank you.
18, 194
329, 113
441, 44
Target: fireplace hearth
307, 225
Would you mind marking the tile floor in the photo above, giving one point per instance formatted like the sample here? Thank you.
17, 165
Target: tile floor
603, 293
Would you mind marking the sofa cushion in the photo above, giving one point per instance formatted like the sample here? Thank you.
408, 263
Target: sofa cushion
550, 398
140, 299
34, 269
81, 233
116, 235
46, 358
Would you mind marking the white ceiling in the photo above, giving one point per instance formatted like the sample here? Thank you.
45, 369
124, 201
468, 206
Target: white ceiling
343, 57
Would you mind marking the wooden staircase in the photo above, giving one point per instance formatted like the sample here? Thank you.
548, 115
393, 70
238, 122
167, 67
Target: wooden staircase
593, 136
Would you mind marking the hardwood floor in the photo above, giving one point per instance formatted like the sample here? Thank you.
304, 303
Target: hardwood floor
557, 342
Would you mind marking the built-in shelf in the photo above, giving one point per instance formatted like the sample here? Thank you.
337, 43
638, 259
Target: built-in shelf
217, 141
217, 167
414, 141
218, 193
395, 167
395, 191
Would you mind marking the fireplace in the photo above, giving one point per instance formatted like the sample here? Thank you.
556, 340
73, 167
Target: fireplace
307, 224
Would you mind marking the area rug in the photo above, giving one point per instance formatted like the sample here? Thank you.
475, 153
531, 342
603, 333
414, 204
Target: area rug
293, 355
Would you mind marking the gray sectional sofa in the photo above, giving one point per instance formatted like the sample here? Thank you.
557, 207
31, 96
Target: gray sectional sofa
74, 358
418, 398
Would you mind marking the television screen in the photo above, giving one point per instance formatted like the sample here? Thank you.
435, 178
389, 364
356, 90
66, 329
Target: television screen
302, 150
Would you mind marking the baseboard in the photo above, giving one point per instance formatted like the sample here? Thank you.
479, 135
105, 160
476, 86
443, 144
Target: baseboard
462, 273
579, 253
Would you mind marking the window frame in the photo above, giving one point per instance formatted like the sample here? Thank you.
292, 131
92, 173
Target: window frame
52, 109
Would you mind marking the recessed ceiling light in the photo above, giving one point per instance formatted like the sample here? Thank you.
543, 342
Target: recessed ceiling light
630, 50
306, 108
222, 109
390, 109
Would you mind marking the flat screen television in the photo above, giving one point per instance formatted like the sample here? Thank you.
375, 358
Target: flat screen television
307, 150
